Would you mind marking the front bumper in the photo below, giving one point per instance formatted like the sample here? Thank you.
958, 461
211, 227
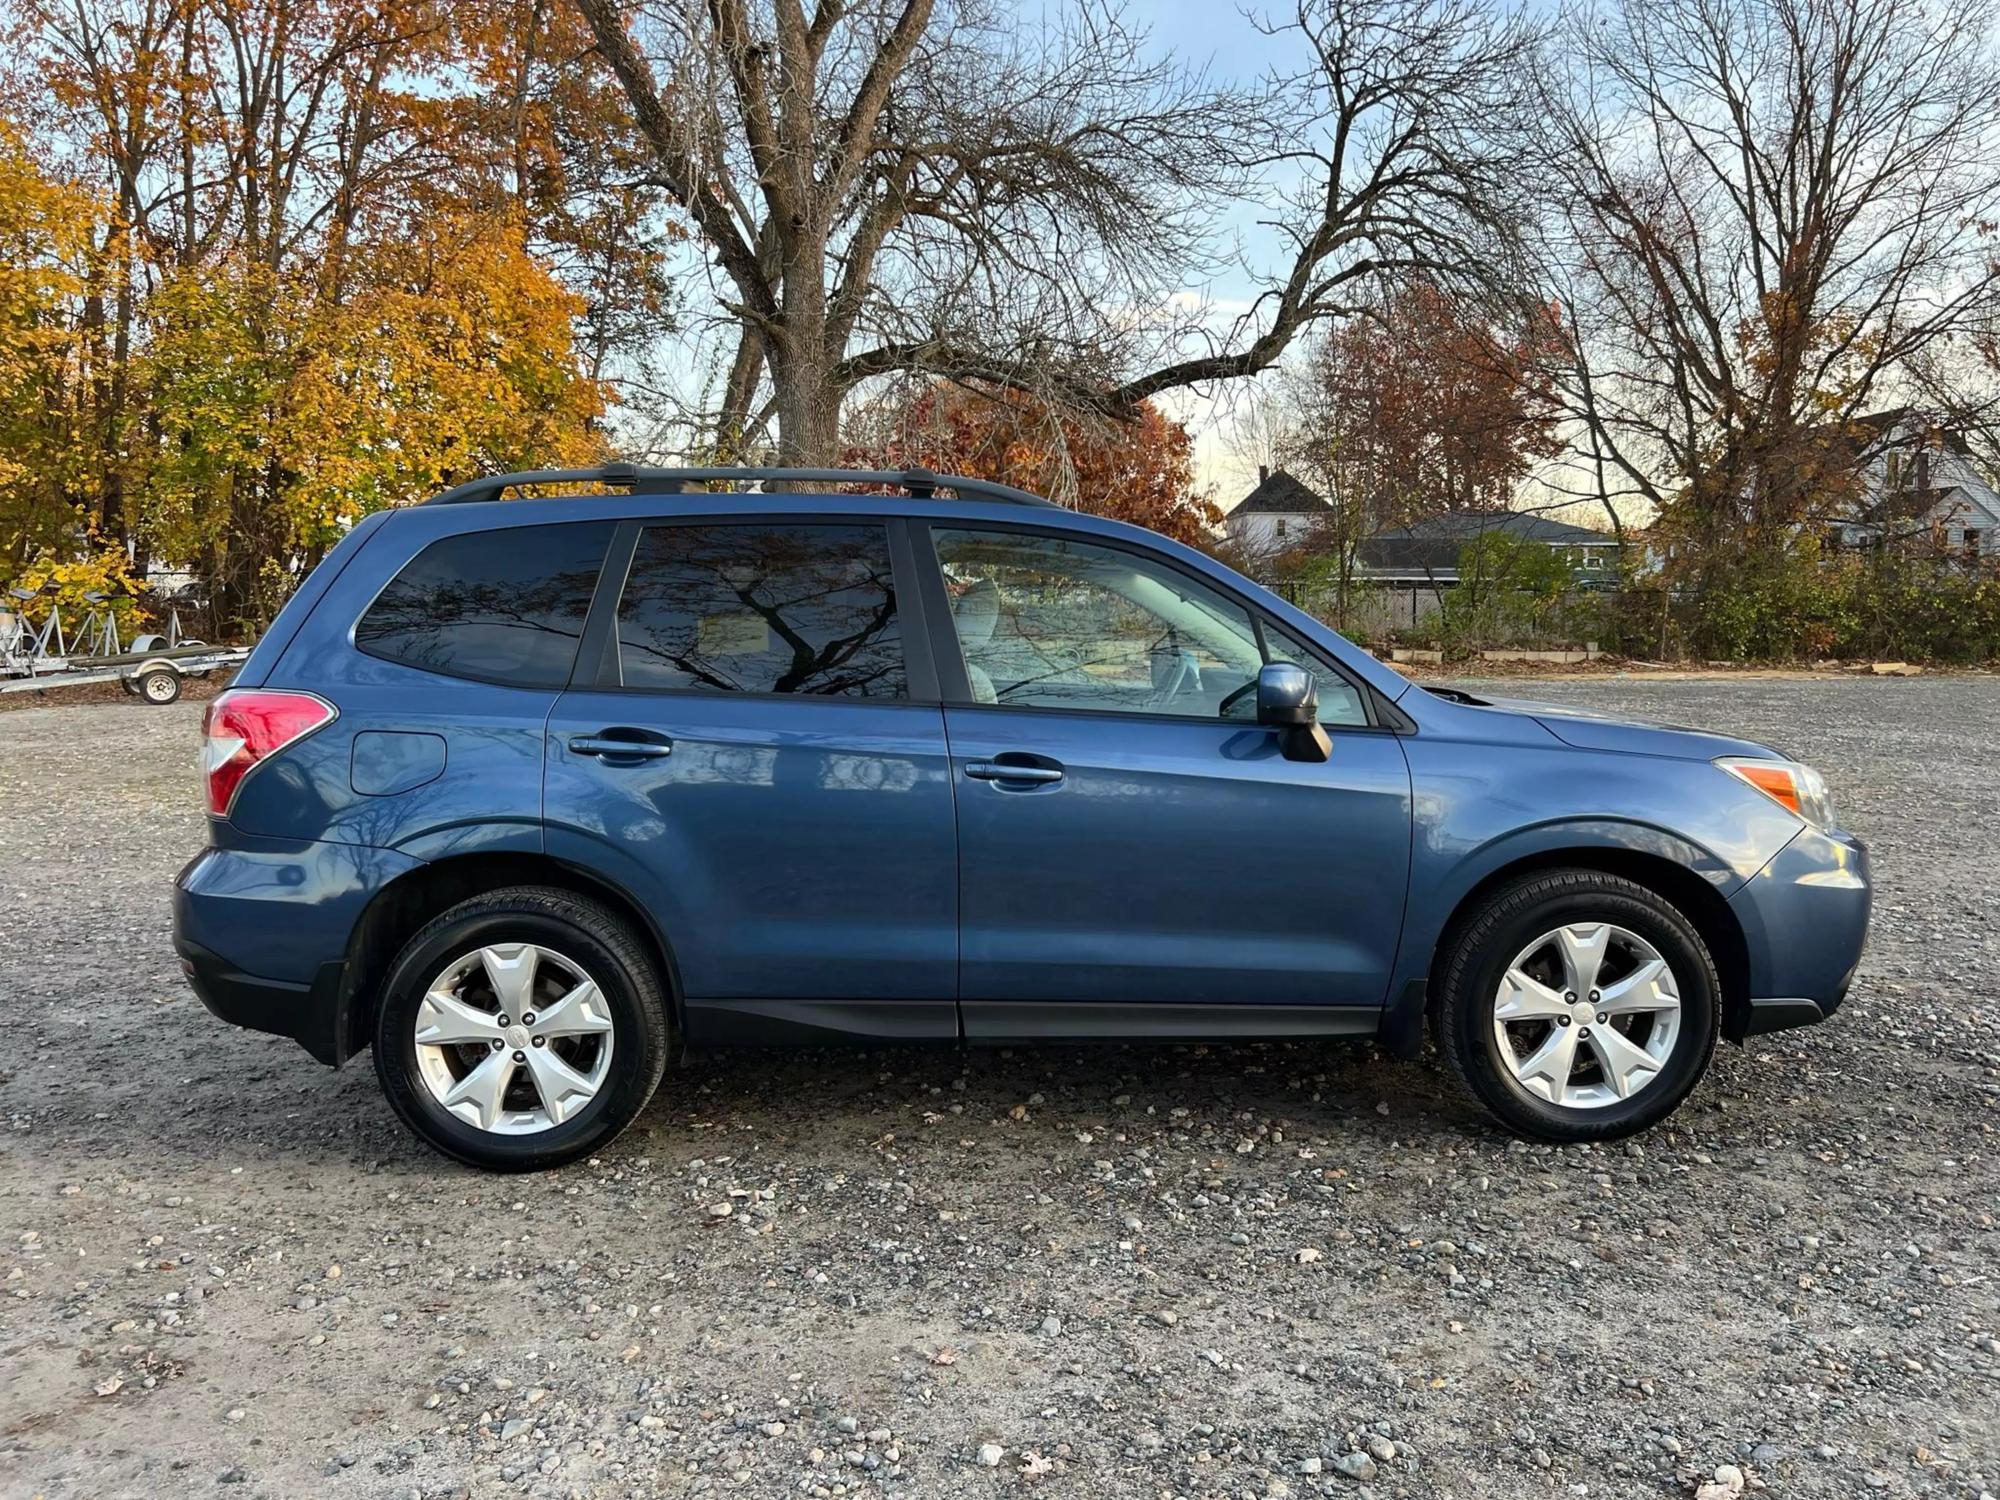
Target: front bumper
262, 929
1805, 922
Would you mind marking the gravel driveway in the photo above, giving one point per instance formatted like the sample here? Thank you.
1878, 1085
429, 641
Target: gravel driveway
1248, 1271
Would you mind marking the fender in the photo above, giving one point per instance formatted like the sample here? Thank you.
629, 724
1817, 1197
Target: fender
1402, 1022
456, 840
469, 867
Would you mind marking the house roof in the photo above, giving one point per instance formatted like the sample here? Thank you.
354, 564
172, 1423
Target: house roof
1431, 548
1466, 525
1279, 494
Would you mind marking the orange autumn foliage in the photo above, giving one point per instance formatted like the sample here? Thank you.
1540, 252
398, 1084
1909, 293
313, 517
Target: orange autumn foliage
1140, 471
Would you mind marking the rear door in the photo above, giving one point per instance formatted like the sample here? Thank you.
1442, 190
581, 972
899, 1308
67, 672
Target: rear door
752, 745
1135, 853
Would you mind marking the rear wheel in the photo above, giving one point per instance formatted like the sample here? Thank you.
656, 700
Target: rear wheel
1578, 1006
521, 1029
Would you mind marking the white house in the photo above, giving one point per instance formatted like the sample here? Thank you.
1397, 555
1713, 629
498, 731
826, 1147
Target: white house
1920, 484
1276, 516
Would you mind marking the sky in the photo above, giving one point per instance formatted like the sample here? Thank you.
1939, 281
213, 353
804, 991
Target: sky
1216, 36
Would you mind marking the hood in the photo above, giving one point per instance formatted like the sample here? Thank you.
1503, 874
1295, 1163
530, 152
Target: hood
1591, 729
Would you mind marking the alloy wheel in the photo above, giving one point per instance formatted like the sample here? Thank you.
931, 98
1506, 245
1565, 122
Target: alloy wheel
1586, 1015
514, 1038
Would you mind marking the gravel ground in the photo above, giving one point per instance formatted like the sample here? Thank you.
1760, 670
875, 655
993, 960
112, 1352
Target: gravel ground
1253, 1271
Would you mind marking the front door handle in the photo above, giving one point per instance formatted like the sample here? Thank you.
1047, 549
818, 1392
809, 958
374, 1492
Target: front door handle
986, 770
613, 746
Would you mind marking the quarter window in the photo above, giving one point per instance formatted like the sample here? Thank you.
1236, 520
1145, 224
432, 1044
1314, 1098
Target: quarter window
762, 608
498, 606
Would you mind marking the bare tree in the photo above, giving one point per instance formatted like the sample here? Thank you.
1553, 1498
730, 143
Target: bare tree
1767, 215
895, 186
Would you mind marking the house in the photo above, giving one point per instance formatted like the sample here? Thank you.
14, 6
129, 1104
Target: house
1428, 552
1919, 485
1276, 516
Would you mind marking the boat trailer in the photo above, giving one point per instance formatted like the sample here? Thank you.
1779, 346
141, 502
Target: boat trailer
36, 658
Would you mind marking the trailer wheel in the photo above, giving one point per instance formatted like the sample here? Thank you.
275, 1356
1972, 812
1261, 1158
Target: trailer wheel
160, 686
130, 687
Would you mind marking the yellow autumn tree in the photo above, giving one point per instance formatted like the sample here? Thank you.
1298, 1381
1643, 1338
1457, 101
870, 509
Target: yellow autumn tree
299, 261
454, 360
45, 235
284, 417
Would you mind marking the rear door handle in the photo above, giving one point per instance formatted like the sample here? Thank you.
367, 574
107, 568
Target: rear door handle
986, 770
613, 746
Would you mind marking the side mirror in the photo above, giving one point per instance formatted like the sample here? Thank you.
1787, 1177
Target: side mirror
1288, 701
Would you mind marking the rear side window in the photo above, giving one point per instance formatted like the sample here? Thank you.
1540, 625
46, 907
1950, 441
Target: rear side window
501, 606
762, 608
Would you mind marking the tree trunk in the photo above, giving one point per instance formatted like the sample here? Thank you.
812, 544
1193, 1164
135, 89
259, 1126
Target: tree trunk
732, 434
808, 410
802, 365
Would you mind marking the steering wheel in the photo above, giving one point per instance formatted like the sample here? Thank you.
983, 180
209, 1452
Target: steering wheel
1184, 671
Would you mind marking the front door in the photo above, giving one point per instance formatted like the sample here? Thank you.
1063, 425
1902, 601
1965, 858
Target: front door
745, 751
1128, 835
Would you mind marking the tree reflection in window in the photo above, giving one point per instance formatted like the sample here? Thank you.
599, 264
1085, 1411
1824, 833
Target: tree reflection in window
503, 606
762, 608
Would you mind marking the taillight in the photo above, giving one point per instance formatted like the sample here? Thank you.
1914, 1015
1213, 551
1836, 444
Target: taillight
246, 726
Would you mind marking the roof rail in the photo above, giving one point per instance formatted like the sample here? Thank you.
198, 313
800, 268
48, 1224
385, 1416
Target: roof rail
920, 484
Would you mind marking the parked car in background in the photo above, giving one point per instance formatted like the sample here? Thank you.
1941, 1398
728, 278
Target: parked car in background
523, 793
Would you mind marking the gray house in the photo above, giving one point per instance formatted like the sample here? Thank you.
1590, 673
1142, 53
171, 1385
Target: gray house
1920, 485
1428, 552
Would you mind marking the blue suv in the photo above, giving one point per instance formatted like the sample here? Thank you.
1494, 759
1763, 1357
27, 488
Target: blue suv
525, 792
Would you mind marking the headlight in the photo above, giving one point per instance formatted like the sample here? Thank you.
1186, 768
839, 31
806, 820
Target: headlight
1799, 789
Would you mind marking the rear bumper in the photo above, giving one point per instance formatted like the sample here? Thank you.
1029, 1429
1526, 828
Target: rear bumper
1805, 922
262, 930
1761, 1016
307, 1013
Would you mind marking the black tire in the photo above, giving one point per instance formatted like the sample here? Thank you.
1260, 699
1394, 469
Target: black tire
1476, 956
158, 687
576, 927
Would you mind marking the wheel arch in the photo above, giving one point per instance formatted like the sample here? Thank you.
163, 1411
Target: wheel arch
1695, 898
397, 911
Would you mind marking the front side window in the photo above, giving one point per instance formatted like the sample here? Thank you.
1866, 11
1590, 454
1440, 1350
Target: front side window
762, 608
502, 606
1057, 622
1340, 703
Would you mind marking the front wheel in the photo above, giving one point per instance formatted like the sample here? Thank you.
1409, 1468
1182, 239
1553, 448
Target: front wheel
521, 1029
1578, 1006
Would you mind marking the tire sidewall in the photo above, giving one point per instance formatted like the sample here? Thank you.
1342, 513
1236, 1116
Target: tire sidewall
624, 1093
1694, 976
